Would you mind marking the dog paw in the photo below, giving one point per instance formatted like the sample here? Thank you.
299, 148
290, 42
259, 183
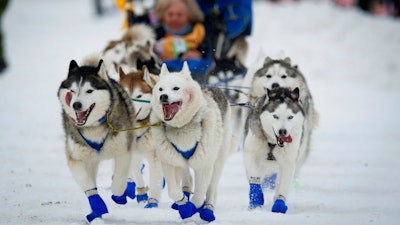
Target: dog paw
256, 196
187, 210
130, 190
279, 206
121, 200
206, 213
142, 198
151, 203
98, 207
175, 206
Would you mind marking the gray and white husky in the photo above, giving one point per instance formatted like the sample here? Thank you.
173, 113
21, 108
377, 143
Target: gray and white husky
195, 133
275, 73
274, 133
90, 101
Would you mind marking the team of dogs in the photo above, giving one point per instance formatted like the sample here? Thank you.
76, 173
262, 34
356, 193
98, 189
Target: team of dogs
183, 131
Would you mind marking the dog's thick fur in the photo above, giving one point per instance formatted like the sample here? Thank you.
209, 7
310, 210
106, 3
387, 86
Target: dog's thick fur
88, 96
196, 122
133, 50
267, 73
139, 85
273, 138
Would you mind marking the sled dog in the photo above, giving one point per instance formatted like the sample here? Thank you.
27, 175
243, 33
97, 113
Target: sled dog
133, 50
273, 138
280, 73
195, 133
139, 85
90, 100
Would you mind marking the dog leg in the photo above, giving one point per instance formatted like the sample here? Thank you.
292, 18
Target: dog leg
137, 176
185, 207
85, 175
254, 151
121, 169
156, 179
287, 168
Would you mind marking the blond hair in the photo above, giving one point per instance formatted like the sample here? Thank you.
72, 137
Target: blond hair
194, 13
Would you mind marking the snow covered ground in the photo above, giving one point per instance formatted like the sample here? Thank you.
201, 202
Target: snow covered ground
350, 60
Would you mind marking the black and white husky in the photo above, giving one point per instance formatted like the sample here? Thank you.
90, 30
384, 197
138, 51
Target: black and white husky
90, 101
274, 133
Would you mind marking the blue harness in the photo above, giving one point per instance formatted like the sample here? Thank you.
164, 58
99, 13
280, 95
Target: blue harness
186, 154
95, 145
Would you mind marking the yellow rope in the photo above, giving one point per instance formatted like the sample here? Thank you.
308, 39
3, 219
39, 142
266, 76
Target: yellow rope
129, 129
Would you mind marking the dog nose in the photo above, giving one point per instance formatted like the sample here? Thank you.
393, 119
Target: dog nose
77, 105
282, 132
275, 85
164, 98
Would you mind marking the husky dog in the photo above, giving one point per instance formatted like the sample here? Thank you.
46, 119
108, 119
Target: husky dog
273, 138
280, 73
195, 133
90, 101
139, 86
134, 49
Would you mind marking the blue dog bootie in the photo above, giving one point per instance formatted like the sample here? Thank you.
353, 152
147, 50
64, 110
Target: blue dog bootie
186, 208
186, 192
97, 205
279, 205
206, 212
256, 195
270, 182
142, 194
121, 200
151, 203
130, 189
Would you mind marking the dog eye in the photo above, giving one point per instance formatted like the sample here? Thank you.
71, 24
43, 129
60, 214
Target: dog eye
89, 91
283, 76
275, 117
139, 96
290, 117
160, 89
268, 76
176, 88
72, 91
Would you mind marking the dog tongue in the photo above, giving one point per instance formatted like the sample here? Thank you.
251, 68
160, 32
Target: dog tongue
170, 110
68, 98
287, 139
81, 116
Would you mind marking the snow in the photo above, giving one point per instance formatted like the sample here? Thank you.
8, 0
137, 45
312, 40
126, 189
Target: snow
351, 63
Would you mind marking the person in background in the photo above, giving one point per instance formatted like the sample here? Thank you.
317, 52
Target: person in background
181, 36
3, 63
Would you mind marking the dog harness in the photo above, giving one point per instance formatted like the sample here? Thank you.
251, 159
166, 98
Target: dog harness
185, 154
96, 145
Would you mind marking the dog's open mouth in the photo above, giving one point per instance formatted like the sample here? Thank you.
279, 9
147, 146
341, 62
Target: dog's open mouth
280, 140
170, 110
82, 116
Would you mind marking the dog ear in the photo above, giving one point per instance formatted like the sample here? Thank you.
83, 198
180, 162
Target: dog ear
185, 70
295, 94
72, 65
259, 103
148, 78
267, 60
101, 70
164, 70
287, 60
121, 73
270, 94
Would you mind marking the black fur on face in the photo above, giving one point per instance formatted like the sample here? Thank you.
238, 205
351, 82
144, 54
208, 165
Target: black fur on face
83, 74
